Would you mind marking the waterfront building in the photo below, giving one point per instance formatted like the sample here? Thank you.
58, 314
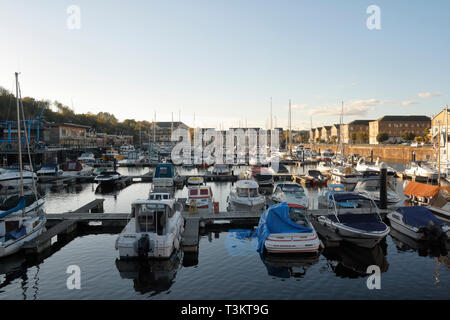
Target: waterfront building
356, 131
396, 126
325, 133
442, 121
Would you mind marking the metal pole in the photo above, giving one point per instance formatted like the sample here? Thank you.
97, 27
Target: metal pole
383, 187
19, 143
439, 154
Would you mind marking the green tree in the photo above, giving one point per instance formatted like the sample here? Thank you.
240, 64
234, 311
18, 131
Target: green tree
382, 137
408, 136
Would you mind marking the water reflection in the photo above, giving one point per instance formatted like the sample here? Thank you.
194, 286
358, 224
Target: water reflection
150, 275
290, 265
423, 248
350, 261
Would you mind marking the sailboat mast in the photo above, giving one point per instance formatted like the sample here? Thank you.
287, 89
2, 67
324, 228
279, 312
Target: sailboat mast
19, 135
439, 154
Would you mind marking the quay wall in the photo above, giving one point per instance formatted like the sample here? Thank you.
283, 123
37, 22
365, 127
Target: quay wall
388, 153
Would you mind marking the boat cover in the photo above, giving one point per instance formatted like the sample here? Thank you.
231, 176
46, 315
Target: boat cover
19, 206
418, 216
276, 219
345, 196
422, 190
164, 170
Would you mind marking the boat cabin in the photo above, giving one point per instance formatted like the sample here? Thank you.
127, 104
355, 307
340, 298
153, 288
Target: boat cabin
152, 216
201, 192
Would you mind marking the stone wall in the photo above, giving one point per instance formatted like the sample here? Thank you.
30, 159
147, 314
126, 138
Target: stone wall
390, 153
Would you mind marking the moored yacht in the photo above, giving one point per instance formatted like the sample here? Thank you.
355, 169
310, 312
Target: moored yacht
418, 223
370, 187
107, 178
345, 175
292, 194
358, 222
76, 168
10, 179
155, 230
421, 169
245, 196
285, 228
324, 167
200, 198
363, 166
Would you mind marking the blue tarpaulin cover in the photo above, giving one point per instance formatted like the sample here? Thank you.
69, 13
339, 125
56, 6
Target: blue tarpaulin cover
418, 216
19, 206
164, 170
276, 219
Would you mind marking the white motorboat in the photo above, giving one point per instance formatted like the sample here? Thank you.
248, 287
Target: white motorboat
87, 158
418, 223
370, 188
285, 228
439, 205
76, 168
245, 196
107, 178
358, 222
262, 175
127, 148
49, 169
363, 167
324, 167
325, 200
292, 194
10, 179
346, 175
195, 181
200, 198
155, 230
326, 155
163, 176
221, 170
421, 170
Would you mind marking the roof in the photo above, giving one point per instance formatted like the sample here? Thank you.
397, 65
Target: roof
404, 118
327, 127
247, 184
68, 124
361, 122
168, 124
422, 190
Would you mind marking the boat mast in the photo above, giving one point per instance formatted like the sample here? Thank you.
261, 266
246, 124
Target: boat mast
446, 135
439, 154
19, 135
340, 131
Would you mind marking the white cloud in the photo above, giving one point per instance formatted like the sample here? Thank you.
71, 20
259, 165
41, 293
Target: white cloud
426, 95
408, 103
299, 106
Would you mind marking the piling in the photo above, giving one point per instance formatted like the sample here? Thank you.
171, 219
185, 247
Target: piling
383, 187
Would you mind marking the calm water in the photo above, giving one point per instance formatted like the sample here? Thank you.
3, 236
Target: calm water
227, 265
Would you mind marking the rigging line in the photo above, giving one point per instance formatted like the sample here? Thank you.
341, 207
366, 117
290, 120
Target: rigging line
28, 146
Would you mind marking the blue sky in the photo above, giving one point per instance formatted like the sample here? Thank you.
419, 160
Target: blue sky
223, 60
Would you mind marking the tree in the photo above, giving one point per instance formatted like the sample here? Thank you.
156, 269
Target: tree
382, 137
353, 137
408, 136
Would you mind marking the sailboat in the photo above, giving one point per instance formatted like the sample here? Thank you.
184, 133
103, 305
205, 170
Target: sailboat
21, 220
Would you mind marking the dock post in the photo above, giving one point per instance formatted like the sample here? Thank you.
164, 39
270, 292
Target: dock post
383, 187
371, 155
414, 156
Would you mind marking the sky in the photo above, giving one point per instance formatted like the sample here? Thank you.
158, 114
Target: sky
221, 61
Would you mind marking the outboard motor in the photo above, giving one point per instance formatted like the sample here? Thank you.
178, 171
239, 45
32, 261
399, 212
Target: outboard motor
435, 234
143, 246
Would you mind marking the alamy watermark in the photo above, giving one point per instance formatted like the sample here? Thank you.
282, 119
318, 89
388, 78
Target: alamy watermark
73, 21
374, 20
232, 147
374, 280
74, 280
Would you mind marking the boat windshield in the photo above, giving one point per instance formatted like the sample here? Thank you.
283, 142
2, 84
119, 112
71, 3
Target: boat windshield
298, 216
151, 218
247, 192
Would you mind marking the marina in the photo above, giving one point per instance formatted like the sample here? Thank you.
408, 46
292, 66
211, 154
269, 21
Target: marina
225, 159
106, 215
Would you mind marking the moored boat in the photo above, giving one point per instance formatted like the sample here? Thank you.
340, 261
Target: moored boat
154, 230
245, 196
359, 222
285, 228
